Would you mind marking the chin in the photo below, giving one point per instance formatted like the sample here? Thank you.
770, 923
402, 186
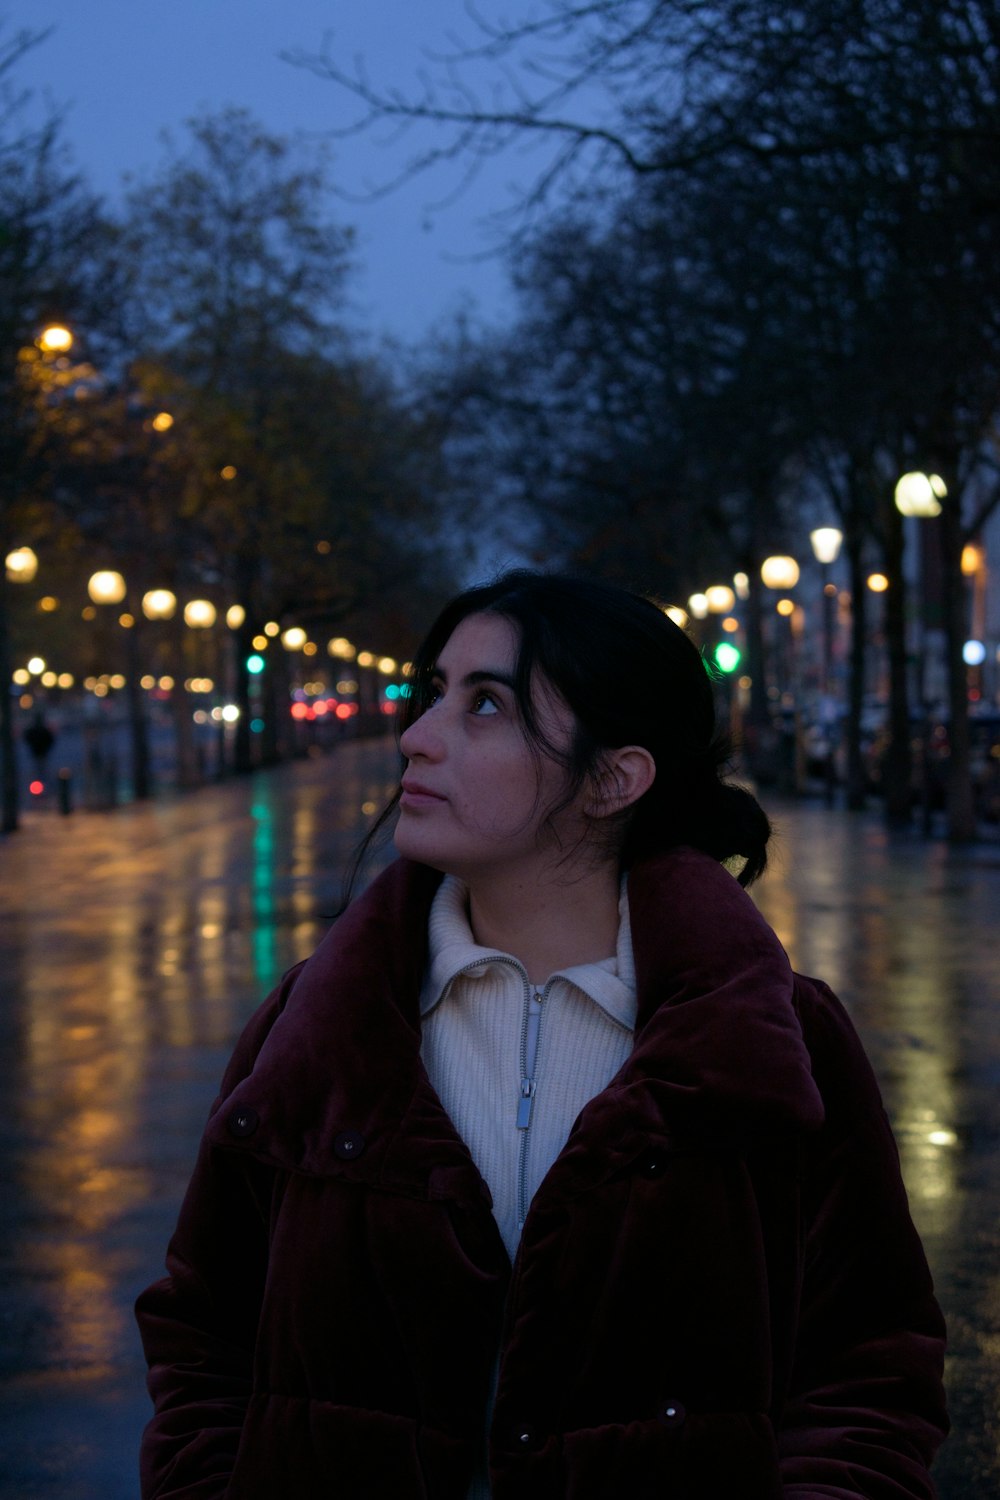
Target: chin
412, 843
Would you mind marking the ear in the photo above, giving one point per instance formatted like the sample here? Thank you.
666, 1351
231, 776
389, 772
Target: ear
626, 774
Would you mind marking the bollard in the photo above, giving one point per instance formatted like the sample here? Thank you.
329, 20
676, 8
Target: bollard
65, 791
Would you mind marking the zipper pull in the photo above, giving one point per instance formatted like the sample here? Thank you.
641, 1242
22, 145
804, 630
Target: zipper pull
524, 1106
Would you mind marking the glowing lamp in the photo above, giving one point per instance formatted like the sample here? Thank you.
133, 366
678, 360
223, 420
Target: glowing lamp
720, 599
294, 638
55, 339
779, 572
22, 565
235, 615
106, 587
920, 494
159, 604
826, 542
200, 614
727, 656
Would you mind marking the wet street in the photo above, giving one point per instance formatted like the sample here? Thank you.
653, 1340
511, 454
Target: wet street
134, 944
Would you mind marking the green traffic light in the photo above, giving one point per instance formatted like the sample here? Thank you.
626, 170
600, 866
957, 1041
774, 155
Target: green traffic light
727, 656
255, 664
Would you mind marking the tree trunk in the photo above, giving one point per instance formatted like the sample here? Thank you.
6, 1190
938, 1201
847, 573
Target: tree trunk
960, 801
246, 593
241, 647
8, 746
758, 731
138, 727
857, 780
184, 746
899, 758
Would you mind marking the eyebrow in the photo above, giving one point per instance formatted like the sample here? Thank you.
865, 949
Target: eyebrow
473, 679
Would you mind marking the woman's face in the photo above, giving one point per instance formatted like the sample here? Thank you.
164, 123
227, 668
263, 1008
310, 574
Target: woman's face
475, 795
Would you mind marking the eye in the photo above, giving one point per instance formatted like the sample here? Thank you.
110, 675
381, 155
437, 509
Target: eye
484, 704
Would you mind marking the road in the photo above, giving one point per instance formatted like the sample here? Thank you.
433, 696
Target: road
135, 942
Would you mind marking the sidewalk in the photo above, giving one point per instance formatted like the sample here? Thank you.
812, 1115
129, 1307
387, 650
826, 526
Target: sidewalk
135, 943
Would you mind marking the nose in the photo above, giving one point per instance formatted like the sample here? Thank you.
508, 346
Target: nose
423, 738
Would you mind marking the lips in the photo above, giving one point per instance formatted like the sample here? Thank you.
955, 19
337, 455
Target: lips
415, 794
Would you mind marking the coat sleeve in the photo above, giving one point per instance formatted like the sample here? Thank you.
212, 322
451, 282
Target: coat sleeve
865, 1409
198, 1325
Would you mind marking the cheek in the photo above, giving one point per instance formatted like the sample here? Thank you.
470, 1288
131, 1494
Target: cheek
507, 797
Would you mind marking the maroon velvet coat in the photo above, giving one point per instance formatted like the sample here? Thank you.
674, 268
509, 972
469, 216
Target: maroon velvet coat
719, 1294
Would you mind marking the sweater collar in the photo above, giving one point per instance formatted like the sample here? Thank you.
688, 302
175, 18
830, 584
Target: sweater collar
609, 983
717, 1042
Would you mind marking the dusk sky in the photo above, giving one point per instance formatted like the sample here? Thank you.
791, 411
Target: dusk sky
124, 70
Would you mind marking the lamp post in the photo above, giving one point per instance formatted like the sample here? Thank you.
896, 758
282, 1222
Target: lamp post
919, 496
825, 541
108, 587
779, 573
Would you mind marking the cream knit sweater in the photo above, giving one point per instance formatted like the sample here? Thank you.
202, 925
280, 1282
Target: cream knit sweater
476, 1005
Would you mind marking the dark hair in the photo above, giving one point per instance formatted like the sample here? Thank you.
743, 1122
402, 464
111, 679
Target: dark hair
630, 676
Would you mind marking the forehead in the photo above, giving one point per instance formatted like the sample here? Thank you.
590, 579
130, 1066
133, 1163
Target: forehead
480, 643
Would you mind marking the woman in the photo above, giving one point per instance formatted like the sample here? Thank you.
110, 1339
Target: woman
549, 1178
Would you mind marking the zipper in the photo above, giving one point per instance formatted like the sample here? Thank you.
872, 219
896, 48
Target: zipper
530, 1028
531, 1023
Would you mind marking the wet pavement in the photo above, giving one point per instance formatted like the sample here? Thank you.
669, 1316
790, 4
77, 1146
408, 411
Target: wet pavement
134, 944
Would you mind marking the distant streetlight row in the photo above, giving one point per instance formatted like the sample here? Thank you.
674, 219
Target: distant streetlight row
108, 587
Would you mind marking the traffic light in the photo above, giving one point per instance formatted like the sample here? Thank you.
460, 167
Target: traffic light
255, 664
727, 657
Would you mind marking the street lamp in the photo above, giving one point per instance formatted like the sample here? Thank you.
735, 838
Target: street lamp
200, 614
779, 572
106, 587
21, 565
826, 542
159, 604
720, 599
920, 494
55, 338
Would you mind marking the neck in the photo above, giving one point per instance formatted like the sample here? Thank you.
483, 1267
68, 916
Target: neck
548, 924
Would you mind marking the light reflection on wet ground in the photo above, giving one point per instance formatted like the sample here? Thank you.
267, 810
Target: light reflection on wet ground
906, 933
134, 945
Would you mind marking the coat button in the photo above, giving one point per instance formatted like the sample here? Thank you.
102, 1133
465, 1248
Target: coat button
348, 1144
243, 1121
673, 1413
652, 1163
